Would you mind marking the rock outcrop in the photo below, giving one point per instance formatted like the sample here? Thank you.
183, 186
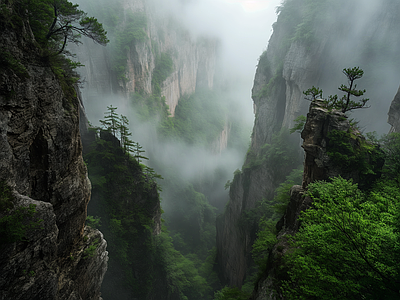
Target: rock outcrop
41, 162
394, 113
194, 60
308, 47
320, 164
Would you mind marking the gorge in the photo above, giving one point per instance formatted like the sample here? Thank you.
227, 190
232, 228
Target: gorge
152, 130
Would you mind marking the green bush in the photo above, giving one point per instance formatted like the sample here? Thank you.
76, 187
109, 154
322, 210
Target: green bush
15, 224
231, 293
347, 247
199, 119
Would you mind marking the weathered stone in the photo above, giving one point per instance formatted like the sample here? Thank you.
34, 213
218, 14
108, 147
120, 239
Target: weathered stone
41, 161
394, 113
318, 165
194, 62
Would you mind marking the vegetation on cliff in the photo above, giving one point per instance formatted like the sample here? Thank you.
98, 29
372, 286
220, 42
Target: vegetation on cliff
347, 243
347, 246
144, 262
345, 103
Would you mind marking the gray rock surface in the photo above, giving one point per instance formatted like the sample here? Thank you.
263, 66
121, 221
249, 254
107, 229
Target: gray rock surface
292, 64
318, 165
194, 60
394, 113
41, 161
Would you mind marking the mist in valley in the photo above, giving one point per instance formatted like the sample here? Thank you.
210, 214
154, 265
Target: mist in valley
196, 167
241, 30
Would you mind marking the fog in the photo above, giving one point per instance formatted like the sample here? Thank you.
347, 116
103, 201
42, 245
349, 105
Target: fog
242, 29
365, 36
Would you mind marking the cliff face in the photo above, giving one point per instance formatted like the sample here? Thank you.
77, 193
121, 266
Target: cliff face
41, 161
394, 113
194, 60
320, 164
310, 45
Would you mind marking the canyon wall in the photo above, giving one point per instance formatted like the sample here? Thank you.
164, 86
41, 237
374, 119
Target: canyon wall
394, 113
311, 44
194, 59
41, 166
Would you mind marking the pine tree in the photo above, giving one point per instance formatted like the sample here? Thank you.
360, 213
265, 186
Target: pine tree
112, 121
126, 143
69, 23
345, 103
138, 152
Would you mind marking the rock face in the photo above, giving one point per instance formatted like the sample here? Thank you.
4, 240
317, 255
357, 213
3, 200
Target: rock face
194, 61
394, 113
319, 164
41, 161
308, 47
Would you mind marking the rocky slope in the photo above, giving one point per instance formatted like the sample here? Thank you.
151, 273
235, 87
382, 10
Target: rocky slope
41, 163
194, 60
311, 43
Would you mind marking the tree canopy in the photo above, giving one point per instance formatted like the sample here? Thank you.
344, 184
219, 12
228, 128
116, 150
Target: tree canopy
345, 103
348, 245
57, 22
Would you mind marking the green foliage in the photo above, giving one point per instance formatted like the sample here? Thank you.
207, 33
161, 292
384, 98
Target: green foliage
302, 19
271, 212
8, 61
352, 152
344, 103
54, 23
313, 93
64, 69
15, 224
231, 293
272, 84
266, 239
111, 122
90, 250
125, 198
182, 275
299, 123
164, 66
391, 148
281, 155
133, 31
6, 197
192, 221
347, 247
282, 197
199, 119
93, 222
148, 107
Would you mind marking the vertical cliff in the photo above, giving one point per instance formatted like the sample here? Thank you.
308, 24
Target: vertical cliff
42, 167
143, 33
125, 199
327, 135
312, 42
394, 113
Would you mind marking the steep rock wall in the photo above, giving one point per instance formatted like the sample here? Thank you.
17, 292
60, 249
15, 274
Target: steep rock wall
310, 45
318, 165
194, 60
394, 113
41, 161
